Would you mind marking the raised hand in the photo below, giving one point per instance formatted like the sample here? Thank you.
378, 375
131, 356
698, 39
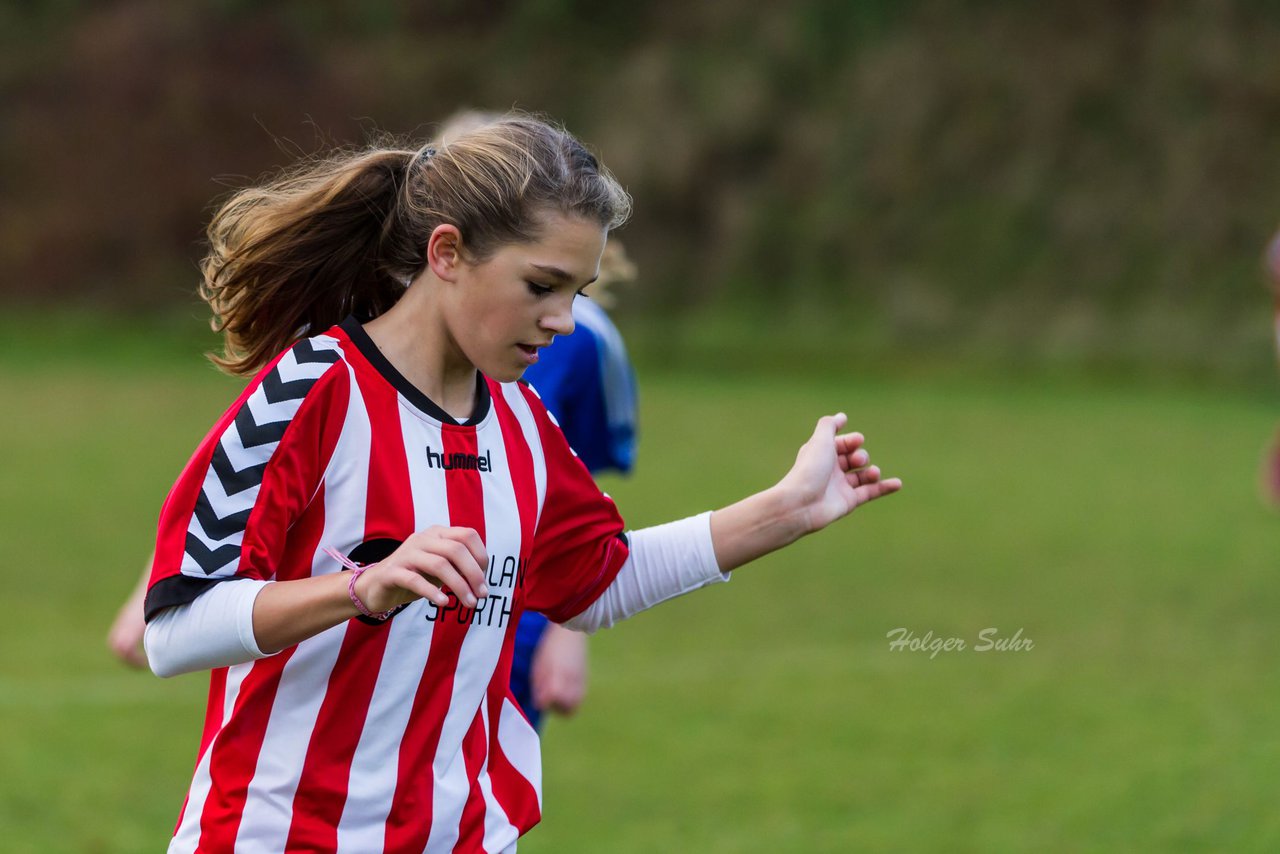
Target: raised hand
832, 474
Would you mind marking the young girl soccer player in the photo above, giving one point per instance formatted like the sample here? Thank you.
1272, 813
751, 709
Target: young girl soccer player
586, 382
351, 545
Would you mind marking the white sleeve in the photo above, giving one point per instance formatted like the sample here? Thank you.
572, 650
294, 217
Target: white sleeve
665, 561
213, 630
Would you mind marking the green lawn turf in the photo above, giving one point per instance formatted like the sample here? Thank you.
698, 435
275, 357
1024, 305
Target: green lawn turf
1117, 527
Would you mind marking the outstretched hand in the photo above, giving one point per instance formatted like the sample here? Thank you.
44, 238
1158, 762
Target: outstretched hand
832, 474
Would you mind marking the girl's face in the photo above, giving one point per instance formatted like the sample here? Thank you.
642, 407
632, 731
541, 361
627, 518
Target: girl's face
503, 310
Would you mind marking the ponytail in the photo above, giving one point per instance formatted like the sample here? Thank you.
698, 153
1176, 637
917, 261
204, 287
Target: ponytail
301, 253
346, 234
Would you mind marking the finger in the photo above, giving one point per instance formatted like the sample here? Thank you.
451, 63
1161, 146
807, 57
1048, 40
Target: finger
418, 584
828, 426
471, 540
867, 475
849, 442
383, 586
858, 459
435, 555
464, 561
879, 489
439, 571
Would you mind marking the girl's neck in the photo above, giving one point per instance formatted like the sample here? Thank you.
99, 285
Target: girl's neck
415, 341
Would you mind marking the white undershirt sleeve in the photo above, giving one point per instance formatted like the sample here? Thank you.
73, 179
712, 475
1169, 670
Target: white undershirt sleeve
216, 629
665, 561
213, 630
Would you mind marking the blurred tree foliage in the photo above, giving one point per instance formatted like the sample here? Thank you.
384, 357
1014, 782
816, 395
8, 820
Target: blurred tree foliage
931, 163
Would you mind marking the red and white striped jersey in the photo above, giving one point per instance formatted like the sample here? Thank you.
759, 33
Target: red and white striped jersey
397, 736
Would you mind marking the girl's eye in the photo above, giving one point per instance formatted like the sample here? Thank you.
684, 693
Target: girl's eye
582, 292
538, 290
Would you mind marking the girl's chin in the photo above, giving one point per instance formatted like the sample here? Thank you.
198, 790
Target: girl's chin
504, 373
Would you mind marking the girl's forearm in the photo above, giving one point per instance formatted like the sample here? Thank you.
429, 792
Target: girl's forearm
240, 620
289, 612
756, 525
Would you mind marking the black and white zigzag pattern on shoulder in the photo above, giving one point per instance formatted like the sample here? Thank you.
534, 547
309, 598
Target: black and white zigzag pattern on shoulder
234, 477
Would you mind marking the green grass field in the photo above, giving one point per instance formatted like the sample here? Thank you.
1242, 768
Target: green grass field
1118, 527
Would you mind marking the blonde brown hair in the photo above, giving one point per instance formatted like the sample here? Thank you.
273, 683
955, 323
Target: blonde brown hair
345, 233
616, 266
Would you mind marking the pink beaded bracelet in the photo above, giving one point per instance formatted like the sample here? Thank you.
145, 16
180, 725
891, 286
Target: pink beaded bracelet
351, 585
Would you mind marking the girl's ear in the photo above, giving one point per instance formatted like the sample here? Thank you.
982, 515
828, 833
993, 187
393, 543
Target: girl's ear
444, 252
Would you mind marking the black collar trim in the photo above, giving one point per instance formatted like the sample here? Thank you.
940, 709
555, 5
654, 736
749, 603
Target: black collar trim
370, 351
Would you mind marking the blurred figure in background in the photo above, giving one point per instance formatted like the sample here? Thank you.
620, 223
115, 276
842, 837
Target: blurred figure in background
587, 382
125, 635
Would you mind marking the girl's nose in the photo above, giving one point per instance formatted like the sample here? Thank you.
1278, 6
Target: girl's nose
559, 322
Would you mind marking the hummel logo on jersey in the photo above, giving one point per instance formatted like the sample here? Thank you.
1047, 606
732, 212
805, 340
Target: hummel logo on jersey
449, 462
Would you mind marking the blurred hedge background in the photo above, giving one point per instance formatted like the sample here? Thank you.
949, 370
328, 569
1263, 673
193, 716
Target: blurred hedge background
1087, 183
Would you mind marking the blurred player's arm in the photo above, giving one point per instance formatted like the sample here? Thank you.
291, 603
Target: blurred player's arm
559, 677
125, 635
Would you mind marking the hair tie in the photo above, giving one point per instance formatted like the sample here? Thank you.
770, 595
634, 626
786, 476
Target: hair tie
426, 154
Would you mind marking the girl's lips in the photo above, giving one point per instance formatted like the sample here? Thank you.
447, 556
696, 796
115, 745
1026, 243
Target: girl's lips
530, 353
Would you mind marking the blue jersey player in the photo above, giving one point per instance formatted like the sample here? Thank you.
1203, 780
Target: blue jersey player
587, 383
